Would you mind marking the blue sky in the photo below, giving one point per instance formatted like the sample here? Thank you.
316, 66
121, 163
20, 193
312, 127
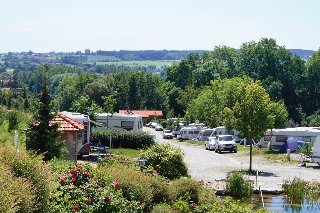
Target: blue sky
72, 25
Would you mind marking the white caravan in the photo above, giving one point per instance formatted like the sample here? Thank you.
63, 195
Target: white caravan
177, 129
221, 130
315, 153
117, 121
188, 133
82, 144
277, 137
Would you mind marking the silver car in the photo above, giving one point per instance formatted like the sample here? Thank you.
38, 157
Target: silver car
225, 143
210, 143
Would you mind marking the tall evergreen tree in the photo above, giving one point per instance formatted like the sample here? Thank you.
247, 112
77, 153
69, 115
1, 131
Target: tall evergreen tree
43, 136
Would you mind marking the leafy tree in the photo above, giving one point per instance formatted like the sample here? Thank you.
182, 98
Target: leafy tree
83, 106
42, 136
252, 114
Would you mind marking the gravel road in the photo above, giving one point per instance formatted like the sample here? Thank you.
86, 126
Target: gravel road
208, 166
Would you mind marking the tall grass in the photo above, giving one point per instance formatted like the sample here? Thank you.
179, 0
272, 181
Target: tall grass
238, 186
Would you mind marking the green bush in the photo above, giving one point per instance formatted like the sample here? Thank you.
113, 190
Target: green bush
128, 139
86, 189
16, 193
162, 208
237, 185
32, 170
147, 187
167, 160
185, 187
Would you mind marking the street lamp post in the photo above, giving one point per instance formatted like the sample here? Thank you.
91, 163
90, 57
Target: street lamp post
142, 163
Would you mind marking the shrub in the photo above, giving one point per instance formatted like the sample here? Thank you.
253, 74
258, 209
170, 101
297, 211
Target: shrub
162, 208
185, 187
33, 171
86, 189
237, 186
167, 160
128, 139
146, 187
16, 193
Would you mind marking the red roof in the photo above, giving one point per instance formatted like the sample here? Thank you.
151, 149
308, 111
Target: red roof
143, 113
67, 124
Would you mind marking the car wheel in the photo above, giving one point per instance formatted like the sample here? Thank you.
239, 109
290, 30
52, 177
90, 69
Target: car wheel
181, 139
219, 151
216, 150
235, 151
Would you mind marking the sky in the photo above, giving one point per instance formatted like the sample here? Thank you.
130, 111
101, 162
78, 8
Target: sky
71, 25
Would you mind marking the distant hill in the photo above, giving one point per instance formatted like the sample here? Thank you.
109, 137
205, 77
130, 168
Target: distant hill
145, 55
304, 54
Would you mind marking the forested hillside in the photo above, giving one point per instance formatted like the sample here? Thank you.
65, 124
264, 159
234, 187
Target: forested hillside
200, 83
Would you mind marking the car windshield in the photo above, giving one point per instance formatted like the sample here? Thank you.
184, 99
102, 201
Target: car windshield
225, 138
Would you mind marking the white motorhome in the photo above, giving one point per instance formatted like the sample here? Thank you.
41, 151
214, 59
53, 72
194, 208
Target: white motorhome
315, 153
117, 121
177, 129
82, 144
221, 130
276, 137
188, 133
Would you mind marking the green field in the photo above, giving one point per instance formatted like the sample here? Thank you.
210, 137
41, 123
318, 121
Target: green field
158, 64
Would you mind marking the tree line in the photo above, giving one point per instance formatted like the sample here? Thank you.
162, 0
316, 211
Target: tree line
198, 87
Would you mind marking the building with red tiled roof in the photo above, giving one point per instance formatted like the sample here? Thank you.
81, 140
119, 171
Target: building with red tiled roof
147, 115
73, 133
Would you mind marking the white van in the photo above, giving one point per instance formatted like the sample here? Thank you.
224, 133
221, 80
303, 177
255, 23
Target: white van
187, 133
315, 153
221, 130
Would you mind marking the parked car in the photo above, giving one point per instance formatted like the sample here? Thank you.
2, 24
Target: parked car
159, 128
210, 143
148, 124
225, 143
154, 124
167, 134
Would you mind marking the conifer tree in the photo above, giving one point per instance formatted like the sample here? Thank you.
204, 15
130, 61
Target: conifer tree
42, 137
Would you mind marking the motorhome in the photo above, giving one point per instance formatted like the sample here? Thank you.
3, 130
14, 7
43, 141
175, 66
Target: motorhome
188, 133
177, 129
82, 144
117, 121
276, 137
315, 153
221, 130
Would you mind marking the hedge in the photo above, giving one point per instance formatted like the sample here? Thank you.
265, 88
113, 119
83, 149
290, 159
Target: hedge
128, 139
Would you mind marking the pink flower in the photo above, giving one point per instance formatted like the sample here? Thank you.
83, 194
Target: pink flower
72, 171
73, 179
138, 202
97, 182
192, 204
221, 207
70, 198
117, 157
76, 165
151, 170
88, 174
76, 208
62, 180
116, 184
158, 173
109, 199
89, 200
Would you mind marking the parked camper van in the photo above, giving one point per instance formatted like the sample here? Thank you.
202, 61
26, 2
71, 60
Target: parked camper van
187, 133
82, 144
315, 153
117, 121
177, 129
277, 137
221, 130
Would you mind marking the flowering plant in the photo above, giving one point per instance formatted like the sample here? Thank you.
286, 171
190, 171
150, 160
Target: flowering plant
80, 190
